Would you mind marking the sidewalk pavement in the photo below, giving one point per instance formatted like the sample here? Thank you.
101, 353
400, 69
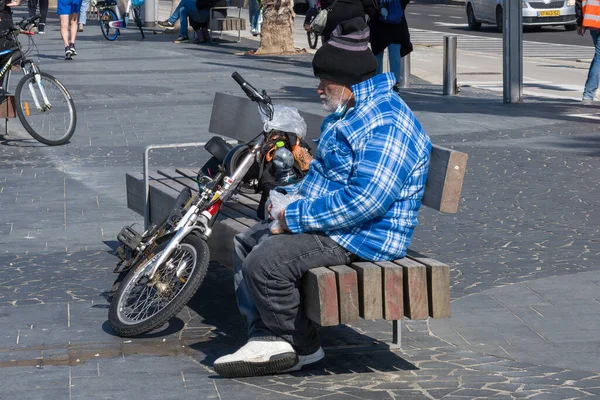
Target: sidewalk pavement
523, 248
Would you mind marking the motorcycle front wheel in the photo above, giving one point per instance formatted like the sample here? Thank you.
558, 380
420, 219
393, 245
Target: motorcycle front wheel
141, 306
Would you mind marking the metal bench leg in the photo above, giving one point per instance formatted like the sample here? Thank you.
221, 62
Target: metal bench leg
397, 334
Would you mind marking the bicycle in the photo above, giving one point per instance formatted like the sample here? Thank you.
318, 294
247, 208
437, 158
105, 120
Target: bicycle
161, 269
46, 101
110, 17
313, 37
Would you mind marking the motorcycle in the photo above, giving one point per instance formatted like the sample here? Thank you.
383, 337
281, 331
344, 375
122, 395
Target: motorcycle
161, 269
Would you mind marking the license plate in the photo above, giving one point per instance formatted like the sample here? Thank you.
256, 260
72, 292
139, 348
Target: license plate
551, 13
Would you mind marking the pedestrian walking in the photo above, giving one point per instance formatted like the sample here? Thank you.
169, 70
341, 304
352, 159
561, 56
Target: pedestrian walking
588, 19
359, 199
32, 5
254, 10
68, 12
389, 29
85, 4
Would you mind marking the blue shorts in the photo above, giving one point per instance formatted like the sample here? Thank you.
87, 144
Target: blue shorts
67, 7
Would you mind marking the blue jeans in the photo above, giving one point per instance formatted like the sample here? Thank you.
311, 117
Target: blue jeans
254, 12
268, 269
593, 78
185, 9
83, 13
395, 60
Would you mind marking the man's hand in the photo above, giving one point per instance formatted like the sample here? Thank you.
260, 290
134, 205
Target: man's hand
581, 30
282, 222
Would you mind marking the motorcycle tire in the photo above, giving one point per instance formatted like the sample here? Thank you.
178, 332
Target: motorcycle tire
123, 327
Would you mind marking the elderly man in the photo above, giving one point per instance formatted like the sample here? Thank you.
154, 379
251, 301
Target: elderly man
361, 197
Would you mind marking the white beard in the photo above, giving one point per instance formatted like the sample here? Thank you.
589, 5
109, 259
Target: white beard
327, 104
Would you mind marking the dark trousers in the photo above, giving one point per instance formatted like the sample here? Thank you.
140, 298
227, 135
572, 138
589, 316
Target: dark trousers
33, 4
267, 282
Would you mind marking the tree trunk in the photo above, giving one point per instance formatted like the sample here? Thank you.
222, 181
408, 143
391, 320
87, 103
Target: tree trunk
278, 22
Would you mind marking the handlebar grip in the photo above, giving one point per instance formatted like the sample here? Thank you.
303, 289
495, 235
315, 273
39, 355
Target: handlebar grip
238, 78
252, 93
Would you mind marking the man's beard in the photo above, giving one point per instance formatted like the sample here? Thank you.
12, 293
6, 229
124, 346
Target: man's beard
328, 104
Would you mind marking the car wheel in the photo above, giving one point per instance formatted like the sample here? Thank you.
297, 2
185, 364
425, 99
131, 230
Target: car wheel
571, 27
474, 25
499, 19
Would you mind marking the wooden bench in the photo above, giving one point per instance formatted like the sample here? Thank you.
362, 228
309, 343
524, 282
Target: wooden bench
416, 286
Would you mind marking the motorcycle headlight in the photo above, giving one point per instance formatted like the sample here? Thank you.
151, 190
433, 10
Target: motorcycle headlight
571, 3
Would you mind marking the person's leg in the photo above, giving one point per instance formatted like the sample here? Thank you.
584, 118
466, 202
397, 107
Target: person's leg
64, 28
183, 23
177, 13
73, 18
83, 13
395, 60
243, 244
32, 7
43, 15
593, 79
253, 11
273, 271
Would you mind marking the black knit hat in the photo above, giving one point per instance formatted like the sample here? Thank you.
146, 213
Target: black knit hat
346, 57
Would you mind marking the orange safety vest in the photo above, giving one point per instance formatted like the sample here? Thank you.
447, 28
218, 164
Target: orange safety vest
591, 14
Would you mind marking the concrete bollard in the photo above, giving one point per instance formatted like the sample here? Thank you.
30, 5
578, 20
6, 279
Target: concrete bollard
450, 83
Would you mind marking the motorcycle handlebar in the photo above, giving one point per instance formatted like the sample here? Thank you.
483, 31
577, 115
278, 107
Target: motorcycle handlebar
250, 91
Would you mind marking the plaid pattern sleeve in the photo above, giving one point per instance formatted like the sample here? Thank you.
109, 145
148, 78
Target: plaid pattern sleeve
365, 188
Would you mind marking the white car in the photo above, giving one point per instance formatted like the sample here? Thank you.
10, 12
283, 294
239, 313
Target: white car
535, 13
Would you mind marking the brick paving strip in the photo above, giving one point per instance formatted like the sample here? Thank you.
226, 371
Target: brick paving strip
527, 229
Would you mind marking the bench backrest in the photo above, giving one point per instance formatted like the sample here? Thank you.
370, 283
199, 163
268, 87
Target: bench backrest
238, 118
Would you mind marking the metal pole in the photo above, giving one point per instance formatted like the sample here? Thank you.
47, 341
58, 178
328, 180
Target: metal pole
150, 12
397, 333
513, 52
450, 84
405, 72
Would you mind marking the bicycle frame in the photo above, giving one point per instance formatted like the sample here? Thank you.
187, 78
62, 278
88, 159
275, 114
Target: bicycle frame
122, 20
27, 66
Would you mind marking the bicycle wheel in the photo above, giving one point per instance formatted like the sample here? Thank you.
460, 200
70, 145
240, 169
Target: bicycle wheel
108, 16
141, 306
313, 39
138, 20
52, 123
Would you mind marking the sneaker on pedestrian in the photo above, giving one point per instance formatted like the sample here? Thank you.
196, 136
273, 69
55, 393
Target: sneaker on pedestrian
68, 53
166, 24
41, 29
80, 29
257, 357
72, 47
182, 39
587, 102
254, 32
309, 361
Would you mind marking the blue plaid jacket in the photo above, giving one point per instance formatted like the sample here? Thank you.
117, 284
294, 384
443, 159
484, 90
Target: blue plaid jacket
365, 184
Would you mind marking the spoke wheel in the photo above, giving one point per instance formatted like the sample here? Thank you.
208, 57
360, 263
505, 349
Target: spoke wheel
51, 123
108, 16
313, 39
141, 305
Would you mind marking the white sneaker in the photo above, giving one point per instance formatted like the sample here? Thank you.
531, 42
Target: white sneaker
257, 358
308, 361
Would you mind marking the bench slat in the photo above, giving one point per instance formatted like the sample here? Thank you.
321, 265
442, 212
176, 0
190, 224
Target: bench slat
347, 289
393, 301
183, 180
414, 277
320, 305
369, 289
438, 285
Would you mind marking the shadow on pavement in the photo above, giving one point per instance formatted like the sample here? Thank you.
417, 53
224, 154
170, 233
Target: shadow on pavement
347, 350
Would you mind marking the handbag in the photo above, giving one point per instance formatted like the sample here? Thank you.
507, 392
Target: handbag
318, 24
